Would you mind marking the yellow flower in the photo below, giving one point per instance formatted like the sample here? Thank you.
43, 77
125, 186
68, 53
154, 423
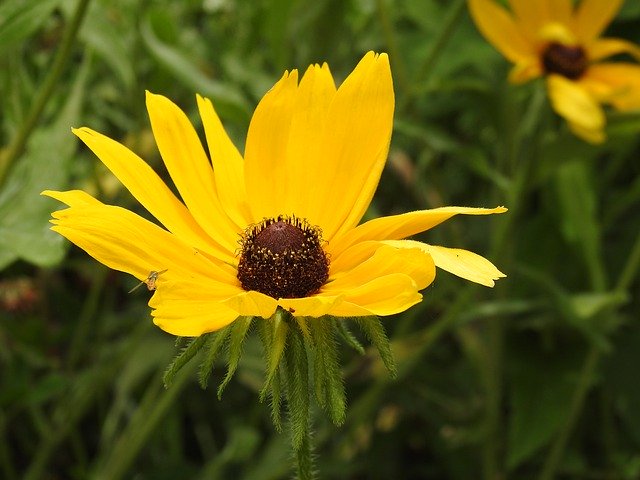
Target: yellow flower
277, 228
554, 39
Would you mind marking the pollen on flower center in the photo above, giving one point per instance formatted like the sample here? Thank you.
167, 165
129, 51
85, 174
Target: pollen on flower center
283, 257
565, 60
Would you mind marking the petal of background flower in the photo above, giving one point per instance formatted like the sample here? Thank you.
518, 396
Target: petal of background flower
463, 263
386, 260
149, 189
355, 145
574, 103
593, 16
127, 242
266, 175
395, 227
306, 158
228, 166
252, 303
615, 83
190, 169
606, 47
502, 31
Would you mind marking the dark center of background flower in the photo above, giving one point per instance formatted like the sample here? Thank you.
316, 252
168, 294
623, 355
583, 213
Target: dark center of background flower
283, 257
568, 61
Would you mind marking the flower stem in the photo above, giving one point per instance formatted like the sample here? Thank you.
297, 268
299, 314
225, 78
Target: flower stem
304, 459
16, 147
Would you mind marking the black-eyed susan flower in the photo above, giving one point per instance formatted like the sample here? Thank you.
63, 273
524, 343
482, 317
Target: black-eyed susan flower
562, 42
277, 227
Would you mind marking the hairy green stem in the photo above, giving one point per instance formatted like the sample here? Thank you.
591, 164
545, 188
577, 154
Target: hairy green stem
16, 147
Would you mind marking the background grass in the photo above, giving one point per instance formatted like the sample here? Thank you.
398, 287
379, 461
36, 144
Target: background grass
534, 378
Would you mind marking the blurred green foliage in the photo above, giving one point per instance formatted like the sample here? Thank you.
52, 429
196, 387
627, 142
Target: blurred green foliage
533, 378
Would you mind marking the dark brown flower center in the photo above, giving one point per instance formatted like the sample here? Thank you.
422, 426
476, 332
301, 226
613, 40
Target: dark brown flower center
565, 60
283, 257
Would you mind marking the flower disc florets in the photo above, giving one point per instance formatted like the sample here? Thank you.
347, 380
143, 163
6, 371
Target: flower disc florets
283, 257
565, 60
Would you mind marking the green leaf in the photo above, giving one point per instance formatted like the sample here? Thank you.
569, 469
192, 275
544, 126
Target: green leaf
297, 375
214, 344
24, 214
101, 35
329, 386
21, 19
239, 329
227, 99
276, 331
542, 382
183, 358
374, 330
346, 335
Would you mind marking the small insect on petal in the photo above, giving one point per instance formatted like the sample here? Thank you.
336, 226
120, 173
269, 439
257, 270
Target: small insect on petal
150, 281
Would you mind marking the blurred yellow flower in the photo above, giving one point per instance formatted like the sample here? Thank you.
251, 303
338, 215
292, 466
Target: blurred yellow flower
560, 41
277, 228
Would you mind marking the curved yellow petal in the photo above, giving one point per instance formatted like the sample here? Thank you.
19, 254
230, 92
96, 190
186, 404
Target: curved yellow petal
502, 31
306, 157
382, 296
395, 227
228, 166
386, 260
127, 242
266, 176
593, 16
606, 47
348, 309
574, 103
314, 306
149, 189
190, 169
463, 263
525, 71
532, 15
356, 143
252, 304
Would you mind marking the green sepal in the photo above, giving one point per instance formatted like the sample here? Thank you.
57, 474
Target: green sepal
297, 388
276, 400
374, 330
348, 337
183, 358
328, 383
213, 347
273, 333
239, 329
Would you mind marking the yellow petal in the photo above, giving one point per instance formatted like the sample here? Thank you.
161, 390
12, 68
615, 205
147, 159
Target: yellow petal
315, 306
228, 165
306, 155
252, 303
502, 31
265, 152
606, 47
73, 197
463, 263
532, 15
395, 227
615, 83
149, 189
386, 260
382, 296
593, 16
124, 241
592, 136
573, 102
525, 71
355, 143
192, 319
190, 169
